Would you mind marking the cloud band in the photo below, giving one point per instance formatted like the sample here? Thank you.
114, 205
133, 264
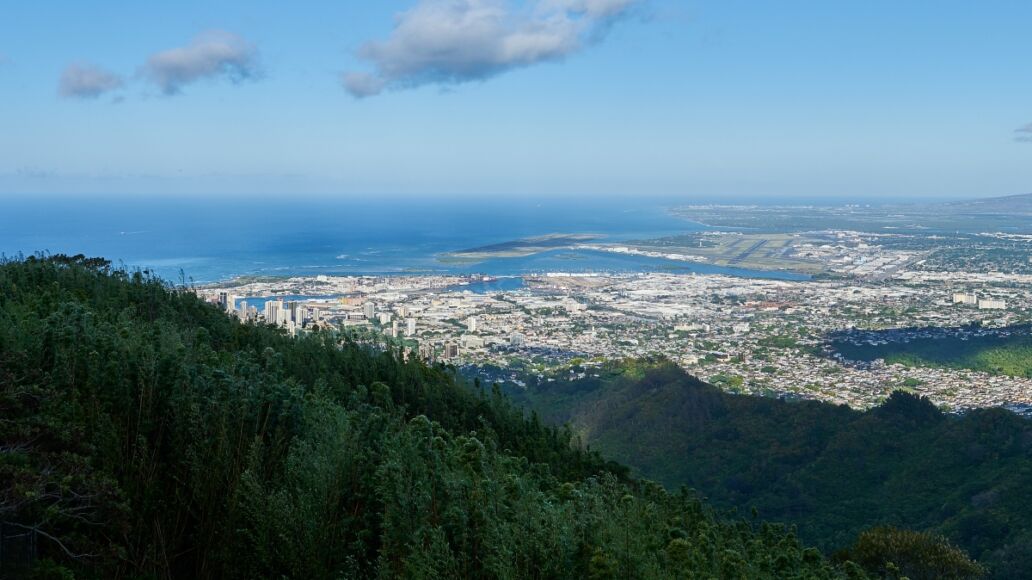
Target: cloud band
456, 41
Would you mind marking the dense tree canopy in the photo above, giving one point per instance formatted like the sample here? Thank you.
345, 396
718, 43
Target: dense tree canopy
145, 434
895, 553
1005, 353
829, 470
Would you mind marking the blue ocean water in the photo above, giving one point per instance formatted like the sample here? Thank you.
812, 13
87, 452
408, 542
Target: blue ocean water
217, 238
491, 286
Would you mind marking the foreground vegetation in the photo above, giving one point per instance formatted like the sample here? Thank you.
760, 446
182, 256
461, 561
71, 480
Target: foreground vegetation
145, 434
830, 470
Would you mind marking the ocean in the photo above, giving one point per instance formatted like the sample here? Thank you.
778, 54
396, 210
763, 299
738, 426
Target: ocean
218, 238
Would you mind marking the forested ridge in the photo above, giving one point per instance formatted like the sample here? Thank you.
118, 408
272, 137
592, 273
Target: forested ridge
999, 354
829, 470
145, 434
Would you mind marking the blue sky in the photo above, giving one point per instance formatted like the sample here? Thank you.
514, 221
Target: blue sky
685, 98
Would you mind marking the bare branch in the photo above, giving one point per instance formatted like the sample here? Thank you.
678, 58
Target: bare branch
60, 544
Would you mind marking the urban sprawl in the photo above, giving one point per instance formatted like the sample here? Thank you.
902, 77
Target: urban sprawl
746, 335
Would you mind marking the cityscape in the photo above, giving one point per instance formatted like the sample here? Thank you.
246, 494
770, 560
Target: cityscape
747, 335
515, 289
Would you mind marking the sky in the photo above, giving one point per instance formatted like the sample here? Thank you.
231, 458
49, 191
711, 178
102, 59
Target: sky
698, 99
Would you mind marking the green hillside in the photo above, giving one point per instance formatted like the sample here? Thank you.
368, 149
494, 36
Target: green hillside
829, 470
1009, 355
144, 434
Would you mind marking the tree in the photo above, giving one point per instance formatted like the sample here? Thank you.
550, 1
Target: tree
888, 552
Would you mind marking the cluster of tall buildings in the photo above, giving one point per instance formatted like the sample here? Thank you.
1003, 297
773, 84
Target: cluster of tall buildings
385, 318
973, 299
289, 314
235, 306
422, 330
292, 315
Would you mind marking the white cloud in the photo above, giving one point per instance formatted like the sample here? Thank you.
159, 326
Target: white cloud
87, 81
1024, 134
363, 84
212, 54
455, 41
592, 8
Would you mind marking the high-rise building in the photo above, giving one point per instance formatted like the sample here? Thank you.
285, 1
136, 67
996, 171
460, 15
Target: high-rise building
231, 301
471, 323
451, 350
410, 327
273, 310
394, 329
223, 299
298, 312
369, 309
242, 310
426, 352
517, 340
964, 298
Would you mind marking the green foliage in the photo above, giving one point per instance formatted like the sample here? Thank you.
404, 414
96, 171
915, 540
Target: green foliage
145, 434
829, 470
888, 552
1009, 354
779, 341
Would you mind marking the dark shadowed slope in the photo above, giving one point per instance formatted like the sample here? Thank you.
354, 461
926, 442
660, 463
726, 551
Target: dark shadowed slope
830, 470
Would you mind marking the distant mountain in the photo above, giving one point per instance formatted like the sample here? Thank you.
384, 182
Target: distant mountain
1010, 204
830, 470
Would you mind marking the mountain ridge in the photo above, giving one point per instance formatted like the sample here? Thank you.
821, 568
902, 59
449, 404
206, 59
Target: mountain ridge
829, 470
1006, 203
